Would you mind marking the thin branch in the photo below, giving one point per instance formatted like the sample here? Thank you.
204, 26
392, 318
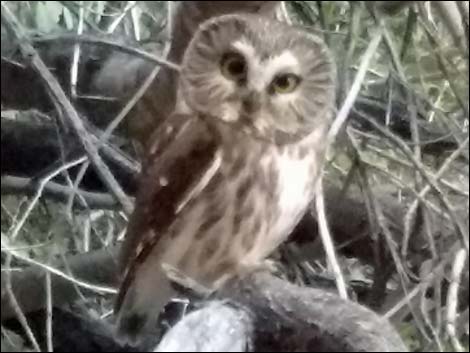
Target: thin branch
284, 14
93, 39
355, 88
459, 227
49, 332
170, 12
450, 15
19, 314
327, 240
127, 108
437, 272
441, 62
61, 193
350, 42
452, 298
422, 194
54, 271
42, 184
112, 27
75, 188
76, 53
53, 85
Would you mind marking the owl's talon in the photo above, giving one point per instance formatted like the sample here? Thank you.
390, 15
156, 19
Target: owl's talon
264, 266
185, 284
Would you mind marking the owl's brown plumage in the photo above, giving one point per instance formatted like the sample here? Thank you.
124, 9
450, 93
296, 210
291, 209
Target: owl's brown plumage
231, 173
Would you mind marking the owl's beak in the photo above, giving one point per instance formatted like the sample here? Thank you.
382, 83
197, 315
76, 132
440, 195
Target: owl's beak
251, 102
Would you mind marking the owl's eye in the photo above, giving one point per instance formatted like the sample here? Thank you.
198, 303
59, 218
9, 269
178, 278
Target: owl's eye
233, 66
285, 83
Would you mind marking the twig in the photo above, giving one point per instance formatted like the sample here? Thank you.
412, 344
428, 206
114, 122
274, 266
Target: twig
403, 186
52, 270
169, 21
19, 185
437, 272
459, 227
378, 221
19, 313
127, 108
98, 266
408, 165
450, 15
86, 235
74, 11
76, 53
132, 102
49, 332
355, 88
412, 110
75, 187
463, 9
422, 194
91, 39
350, 42
322, 20
39, 191
14, 304
284, 14
452, 298
426, 308
438, 53
410, 27
135, 23
462, 323
112, 27
143, 88
327, 240
53, 85
114, 153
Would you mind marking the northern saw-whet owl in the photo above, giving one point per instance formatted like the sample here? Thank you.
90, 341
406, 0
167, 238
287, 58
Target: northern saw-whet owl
230, 173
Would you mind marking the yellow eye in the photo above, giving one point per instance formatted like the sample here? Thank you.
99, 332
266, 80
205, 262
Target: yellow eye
285, 83
233, 66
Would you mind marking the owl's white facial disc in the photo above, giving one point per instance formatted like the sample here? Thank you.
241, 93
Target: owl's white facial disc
264, 77
259, 77
262, 71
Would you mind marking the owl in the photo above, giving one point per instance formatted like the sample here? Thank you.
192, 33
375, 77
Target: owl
231, 172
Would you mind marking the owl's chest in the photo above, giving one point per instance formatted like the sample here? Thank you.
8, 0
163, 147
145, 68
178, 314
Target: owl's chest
294, 187
283, 179
294, 182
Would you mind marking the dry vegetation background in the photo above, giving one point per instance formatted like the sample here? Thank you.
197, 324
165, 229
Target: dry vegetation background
396, 185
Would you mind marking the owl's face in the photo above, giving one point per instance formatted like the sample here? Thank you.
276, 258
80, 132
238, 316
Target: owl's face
265, 77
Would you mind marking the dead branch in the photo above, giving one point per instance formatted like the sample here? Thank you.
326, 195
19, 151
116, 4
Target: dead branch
264, 313
66, 107
16, 186
98, 267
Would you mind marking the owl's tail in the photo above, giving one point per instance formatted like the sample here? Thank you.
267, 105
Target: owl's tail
144, 300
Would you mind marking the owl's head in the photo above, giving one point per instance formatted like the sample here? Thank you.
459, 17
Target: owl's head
270, 79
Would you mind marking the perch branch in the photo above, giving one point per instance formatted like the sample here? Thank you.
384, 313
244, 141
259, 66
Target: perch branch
279, 316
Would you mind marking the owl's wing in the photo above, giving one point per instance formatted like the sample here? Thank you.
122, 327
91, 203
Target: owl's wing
182, 160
